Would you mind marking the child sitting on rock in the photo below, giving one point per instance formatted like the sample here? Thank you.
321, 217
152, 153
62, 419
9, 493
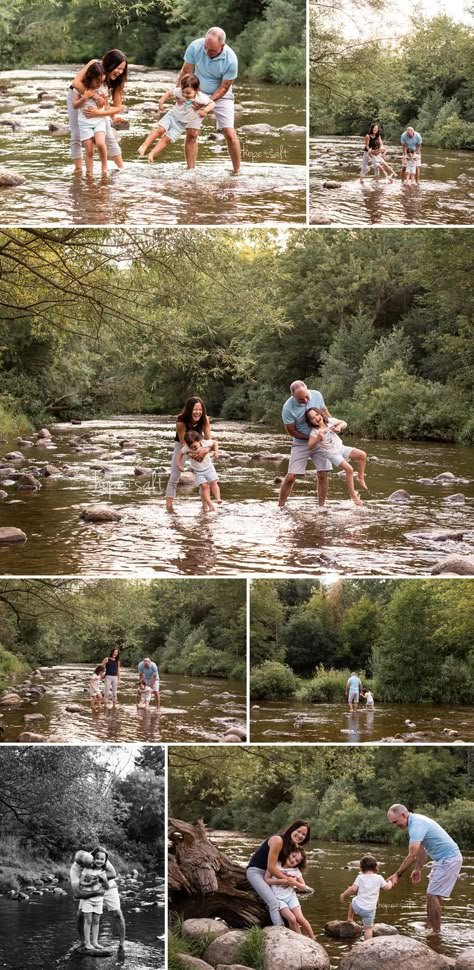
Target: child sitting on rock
285, 890
366, 890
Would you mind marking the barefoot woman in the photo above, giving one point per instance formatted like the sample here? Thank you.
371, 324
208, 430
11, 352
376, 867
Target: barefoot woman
116, 70
193, 417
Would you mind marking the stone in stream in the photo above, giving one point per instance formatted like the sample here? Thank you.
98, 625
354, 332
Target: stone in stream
260, 129
399, 496
225, 948
29, 737
384, 929
239, 732
285, 950
451, 733
343, 929
74, 708
33, 717
194, 963
443, 535
9, 699
100, 513
231, 966
394, 953
465, 960
47, 470
27, 483
3, 494
10, 123
127, 443
14, 456
231, 739
11, 534
122, 125
458, 497
193, 929
10, 179
44, 433
455, 566
294, 129
330, 184
141, 472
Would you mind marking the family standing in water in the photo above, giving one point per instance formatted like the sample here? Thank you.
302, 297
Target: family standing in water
275, 872
148, 688
204, 85
374, 155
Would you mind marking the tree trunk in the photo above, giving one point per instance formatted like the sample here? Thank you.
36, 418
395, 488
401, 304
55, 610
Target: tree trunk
204, 882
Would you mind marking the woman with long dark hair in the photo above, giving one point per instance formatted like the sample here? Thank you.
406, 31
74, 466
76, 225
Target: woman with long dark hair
193, 417
276, 848
112, 675
116, 72
372, 143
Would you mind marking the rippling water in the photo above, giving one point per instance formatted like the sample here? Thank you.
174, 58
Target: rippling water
248, 533
403, 907
295, 721
271, 189
445, 195
39, 933
192, 709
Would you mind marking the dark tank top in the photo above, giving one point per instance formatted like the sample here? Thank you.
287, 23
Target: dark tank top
374, 142
111, 668
259, 859
194, 427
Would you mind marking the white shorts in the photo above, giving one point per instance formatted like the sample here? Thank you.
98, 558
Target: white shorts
174, 128
112, 899
290, 903
224, 112
93, 905
154, 687
340, 456
299, 456
88, 128
208, 475
444, 875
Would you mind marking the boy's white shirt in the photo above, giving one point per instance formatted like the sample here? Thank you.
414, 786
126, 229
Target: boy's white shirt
369, 885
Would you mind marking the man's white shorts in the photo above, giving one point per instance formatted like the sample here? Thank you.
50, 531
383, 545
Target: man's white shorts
444, 875
299, 456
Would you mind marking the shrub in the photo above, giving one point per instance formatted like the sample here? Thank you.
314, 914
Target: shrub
327, 686
458, 820
251, 952
273, 681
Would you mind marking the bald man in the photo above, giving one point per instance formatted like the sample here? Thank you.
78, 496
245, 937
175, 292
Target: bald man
428, 840
294, 418
216, 66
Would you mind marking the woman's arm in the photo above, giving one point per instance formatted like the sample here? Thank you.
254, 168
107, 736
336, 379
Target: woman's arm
274, 881
118, 671
275, 845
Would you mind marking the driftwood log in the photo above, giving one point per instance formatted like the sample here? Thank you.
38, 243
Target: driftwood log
203, 881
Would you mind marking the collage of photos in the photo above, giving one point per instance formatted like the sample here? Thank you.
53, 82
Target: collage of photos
236, 485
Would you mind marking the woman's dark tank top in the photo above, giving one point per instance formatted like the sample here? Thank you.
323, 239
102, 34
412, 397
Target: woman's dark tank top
111, 668
259, 859
374, 142
194, 427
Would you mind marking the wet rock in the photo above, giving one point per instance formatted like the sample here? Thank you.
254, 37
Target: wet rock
458, 498
9, 699
27, 483
225, 948
390, 953
451, 733
44, 433
444, 535
255, 707
10, 534
47, 470
231, 739
465, 960
142, 472
33, 717
10, 179
3, 494
410, 724
14, 456
455, 566
285, 950
100, 513
45, 105
294, 129
74, 708
399, 496
343, 929
148, 107
127, 443
330, 184
259, 129
9, 123
193, 929
384, 929
203, 703
216, 136
29, 737
122, 125
239, 732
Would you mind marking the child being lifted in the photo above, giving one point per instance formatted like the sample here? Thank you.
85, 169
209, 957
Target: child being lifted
192, 105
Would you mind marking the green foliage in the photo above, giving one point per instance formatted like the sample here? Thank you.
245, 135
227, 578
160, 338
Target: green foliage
12, 421
456, 818
11, 667
327, 686
251, 952
272, 681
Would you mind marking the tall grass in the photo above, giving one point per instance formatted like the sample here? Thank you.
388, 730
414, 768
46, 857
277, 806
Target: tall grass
251, 951
13, 422
327, 686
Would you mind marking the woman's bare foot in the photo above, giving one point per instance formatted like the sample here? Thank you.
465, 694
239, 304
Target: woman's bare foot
361, 482
151, 157
169, 504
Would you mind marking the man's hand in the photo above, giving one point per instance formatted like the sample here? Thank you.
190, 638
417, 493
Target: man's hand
393, 879
416, 876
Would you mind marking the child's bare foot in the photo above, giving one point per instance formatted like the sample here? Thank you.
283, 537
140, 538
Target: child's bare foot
151, 157
219, 501
357, 500
141, 151
209, 507
361, 482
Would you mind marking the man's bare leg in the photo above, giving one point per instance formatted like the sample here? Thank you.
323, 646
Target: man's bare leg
323, 485
191, 146
433, 910
286, 487
233, 147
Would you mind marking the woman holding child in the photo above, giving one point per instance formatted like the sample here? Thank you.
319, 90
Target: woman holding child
267, 862
193, 417
115, 69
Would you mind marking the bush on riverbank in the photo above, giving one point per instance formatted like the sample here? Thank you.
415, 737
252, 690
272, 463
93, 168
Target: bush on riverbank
327, 686
273, 681
10, 665
13, 421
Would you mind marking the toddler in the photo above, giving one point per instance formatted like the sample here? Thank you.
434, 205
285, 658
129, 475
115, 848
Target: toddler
369, 698
288, 902
93, 877
92, 130
144, 695
94, 688
330, 445
182, 116
410, 169
205, 474
367, 887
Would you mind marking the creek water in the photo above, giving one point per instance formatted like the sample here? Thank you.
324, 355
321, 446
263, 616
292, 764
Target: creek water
248, 533
191, 709
445, 195
295, 721
402, 907
41, 932
271, 189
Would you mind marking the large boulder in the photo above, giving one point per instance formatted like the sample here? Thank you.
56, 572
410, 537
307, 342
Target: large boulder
9, 534
465, 960
194, 963
285, 950
44, 433
225, 949
394, 953
231, 966
100, 513
48, 470
343, 929
193, 929
454, 565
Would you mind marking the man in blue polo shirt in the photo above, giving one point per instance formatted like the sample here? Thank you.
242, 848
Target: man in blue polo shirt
294, 418
411, 139
148, 677
428, 840
216, 66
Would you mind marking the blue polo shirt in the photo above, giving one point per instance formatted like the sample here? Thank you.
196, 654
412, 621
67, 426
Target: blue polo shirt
354, 684
294, 413
148, 672
411, 141
438, 844
211, 71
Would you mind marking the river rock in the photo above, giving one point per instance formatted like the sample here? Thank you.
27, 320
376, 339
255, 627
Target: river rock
193, 929
239, 732
450, 732
399, 496
10, 534
260, 129
444, 535
343, 929
14, 456
225, 948
445, 477
29, 737
11, 698
100, 513
122, 125
149, 107
10, 179
330, 184
194, 963
33, 717
294, 129
142, 472
285, 950
231, 966
458, 498
465, 960
231, 739
27, 483
384, 929
47, 470
390, 953
44, 433
10, 123
3, 494
74, 708
454, 565
215, 136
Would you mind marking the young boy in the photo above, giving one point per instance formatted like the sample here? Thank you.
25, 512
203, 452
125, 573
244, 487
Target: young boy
367, 887
182, 116
205, 474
